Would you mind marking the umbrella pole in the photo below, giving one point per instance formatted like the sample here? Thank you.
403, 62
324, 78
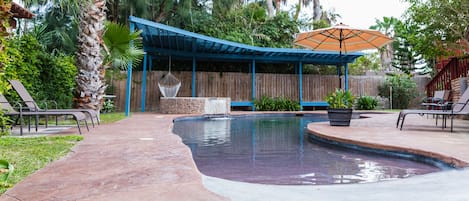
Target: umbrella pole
339, 67
339, 73
341, 36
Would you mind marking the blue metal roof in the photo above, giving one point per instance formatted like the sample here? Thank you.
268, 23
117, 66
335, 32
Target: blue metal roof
160, 39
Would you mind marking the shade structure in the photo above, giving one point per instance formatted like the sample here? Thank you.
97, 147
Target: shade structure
342, 38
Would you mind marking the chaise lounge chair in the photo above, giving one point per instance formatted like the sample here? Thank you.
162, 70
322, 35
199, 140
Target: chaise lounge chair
33, 106
10, 111
459, 108
438, 101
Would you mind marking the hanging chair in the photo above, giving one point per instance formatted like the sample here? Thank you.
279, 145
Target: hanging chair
169, 85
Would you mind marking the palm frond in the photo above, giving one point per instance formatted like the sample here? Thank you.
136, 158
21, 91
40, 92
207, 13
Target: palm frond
123, 46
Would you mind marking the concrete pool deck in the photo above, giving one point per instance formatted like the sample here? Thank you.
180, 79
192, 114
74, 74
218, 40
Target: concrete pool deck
139, 158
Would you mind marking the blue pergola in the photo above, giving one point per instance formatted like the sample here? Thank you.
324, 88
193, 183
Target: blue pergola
162, 40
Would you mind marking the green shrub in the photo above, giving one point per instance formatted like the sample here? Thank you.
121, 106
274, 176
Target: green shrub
4, 62
5, 123
340, 99
108, 106
366, 103
276, 104
404, 89
57, 78
45, 75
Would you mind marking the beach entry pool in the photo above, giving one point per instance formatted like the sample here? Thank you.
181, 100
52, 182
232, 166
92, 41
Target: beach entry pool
274, 149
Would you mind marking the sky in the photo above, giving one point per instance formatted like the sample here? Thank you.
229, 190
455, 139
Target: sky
359, 13
362, 13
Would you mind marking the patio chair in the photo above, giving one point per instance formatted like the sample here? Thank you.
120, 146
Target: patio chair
459, 108
10, 111
438, 101
33, 106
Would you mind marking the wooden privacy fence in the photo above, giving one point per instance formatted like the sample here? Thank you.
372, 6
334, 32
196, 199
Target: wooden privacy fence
237, 86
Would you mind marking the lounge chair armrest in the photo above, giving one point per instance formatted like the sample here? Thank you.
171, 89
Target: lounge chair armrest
46, 103
427, 100
19, 107
34, 103
454, 104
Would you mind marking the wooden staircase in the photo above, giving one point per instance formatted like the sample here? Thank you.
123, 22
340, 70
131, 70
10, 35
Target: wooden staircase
454, 68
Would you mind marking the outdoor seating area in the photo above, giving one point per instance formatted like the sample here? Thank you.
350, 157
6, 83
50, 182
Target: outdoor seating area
19, 115
440, 100
459, 108
22, 114
33, 106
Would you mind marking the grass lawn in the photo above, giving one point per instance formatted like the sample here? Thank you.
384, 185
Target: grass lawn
104, 118
111, 117
29, 154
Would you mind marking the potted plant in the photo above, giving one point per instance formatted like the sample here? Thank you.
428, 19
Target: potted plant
340, 109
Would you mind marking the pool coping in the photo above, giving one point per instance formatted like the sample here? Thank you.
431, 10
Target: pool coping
329, 134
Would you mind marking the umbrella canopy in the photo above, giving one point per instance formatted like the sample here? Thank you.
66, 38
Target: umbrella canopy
342, 38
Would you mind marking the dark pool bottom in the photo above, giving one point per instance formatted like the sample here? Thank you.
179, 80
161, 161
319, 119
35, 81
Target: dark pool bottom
275, 149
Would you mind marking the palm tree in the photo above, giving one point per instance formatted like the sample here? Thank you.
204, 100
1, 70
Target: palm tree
387, 52
90, 81
304, 3
270, 8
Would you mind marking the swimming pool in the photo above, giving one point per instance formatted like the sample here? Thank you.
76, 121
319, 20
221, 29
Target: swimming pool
274, 149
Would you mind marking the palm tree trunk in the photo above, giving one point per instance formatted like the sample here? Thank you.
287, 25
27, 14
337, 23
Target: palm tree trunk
270, 8
317, 11
386, 56
90, 82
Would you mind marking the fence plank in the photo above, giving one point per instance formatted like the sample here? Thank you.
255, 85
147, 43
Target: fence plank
237, 86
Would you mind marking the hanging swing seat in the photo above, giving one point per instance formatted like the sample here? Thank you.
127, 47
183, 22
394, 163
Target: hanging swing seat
169, 85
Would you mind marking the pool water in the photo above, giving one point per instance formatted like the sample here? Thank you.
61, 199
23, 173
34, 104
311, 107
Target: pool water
276, 150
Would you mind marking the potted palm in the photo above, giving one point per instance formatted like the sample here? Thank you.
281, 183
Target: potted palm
340, 109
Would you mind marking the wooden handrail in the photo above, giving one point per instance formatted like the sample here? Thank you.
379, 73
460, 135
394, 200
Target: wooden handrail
455, 68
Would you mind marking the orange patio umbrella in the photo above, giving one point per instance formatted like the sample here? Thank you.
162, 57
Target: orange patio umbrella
342, 38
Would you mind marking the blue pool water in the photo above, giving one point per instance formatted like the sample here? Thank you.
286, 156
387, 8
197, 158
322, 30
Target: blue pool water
276, 150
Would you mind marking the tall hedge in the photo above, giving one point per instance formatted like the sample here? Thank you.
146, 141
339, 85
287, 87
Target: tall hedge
46, 75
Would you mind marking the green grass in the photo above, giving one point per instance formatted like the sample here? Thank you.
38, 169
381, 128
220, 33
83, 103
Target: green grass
112, 117
105, 118
32, 153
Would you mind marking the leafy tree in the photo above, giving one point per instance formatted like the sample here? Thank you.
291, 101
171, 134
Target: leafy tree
365, 63
441, 26
248, 25
407, 60
56, 31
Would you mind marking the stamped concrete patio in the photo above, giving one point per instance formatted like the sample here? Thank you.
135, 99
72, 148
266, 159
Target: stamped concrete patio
140, 159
